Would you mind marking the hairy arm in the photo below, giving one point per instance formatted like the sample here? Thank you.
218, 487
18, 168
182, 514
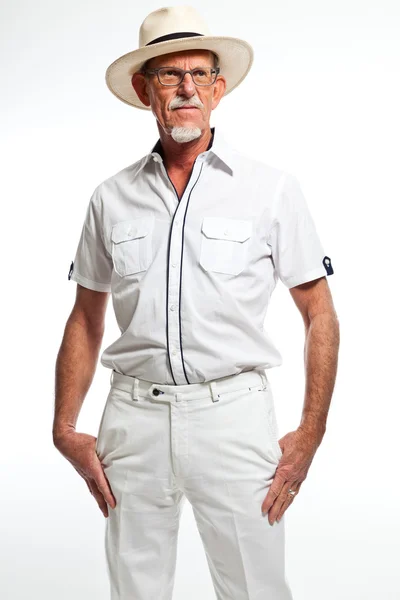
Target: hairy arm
322, 338
77, 358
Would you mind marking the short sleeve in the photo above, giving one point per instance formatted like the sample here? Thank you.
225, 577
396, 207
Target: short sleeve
296, 249
92, 265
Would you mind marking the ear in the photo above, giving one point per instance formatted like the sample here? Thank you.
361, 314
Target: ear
218, 91
139, 84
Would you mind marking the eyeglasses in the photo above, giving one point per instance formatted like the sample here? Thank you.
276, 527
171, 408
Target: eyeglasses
174, 75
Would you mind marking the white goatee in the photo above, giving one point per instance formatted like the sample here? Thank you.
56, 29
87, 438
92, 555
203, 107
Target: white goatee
185, 134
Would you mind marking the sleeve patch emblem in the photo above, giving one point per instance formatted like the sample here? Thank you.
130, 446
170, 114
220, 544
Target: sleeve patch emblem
70, 270
326, 261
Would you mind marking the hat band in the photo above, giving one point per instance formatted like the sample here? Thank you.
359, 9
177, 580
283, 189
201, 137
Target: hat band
173, 36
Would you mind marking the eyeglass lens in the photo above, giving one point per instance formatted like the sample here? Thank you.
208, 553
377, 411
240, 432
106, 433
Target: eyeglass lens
169, 76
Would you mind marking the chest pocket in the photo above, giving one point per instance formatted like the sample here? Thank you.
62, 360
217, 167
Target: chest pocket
225, 244
131, 248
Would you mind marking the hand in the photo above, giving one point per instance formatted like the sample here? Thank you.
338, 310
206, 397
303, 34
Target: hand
298, 448
80, 450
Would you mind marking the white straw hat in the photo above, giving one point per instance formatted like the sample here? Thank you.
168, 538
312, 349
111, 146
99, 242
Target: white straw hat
172, 29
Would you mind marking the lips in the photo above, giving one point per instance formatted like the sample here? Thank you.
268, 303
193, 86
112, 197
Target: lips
187, 108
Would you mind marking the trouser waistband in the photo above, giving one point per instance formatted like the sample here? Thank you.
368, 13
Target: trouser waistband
212, 389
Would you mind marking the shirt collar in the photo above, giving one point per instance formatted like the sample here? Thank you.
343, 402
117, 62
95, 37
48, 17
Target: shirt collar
217, 146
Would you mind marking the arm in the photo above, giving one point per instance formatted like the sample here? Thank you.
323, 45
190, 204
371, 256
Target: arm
75, 368
77, 358
314, 301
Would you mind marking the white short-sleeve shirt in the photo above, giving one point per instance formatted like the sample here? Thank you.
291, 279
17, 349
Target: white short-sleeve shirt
191, 278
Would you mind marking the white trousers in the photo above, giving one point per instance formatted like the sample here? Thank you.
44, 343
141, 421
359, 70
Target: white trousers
214, 443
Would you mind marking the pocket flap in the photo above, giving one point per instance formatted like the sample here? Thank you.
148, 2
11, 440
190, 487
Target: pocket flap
128, 230
237, 230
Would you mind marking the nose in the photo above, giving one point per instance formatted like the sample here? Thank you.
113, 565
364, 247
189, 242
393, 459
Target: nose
187, 85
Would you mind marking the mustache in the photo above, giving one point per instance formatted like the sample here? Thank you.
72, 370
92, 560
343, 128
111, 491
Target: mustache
178, 103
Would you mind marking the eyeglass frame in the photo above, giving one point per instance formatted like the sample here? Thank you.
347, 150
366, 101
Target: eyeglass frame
215, 70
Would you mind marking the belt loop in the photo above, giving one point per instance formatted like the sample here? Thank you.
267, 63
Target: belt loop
178, 396
215, 396
135, 388
264, 380
111, 376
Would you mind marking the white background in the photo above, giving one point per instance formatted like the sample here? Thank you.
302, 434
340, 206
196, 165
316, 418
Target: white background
321, 101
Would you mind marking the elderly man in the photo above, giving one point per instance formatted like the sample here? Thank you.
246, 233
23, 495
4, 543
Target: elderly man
190, 241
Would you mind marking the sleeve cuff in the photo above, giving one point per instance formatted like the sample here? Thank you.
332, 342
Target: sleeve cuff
88, 283
304, 277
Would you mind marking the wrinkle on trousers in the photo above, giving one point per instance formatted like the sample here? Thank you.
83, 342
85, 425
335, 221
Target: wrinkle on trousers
214, 444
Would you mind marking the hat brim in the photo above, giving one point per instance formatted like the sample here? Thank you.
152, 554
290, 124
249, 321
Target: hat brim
235, 60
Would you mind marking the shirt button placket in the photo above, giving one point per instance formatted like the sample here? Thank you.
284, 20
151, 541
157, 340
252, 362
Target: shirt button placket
173, 301
175, 280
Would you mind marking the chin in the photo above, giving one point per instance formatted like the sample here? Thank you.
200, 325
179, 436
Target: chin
185, 133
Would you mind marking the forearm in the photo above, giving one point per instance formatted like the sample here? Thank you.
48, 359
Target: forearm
320, 359
75, 368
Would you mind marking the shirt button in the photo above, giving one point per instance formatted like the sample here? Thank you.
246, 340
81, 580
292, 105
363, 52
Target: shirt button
174, 351
173, 264
172, 307
227, 232
156, 392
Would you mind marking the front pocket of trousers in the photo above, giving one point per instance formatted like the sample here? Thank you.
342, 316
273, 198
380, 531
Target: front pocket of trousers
101, 426
271, 420
118, 425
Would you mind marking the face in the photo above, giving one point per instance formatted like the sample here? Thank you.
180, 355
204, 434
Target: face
166, 102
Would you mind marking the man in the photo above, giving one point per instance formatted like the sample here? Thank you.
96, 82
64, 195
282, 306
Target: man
190, 241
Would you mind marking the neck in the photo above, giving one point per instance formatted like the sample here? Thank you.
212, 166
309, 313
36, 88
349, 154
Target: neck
181, 156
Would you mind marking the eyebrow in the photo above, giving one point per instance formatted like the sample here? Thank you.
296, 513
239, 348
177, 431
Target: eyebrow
175, 67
